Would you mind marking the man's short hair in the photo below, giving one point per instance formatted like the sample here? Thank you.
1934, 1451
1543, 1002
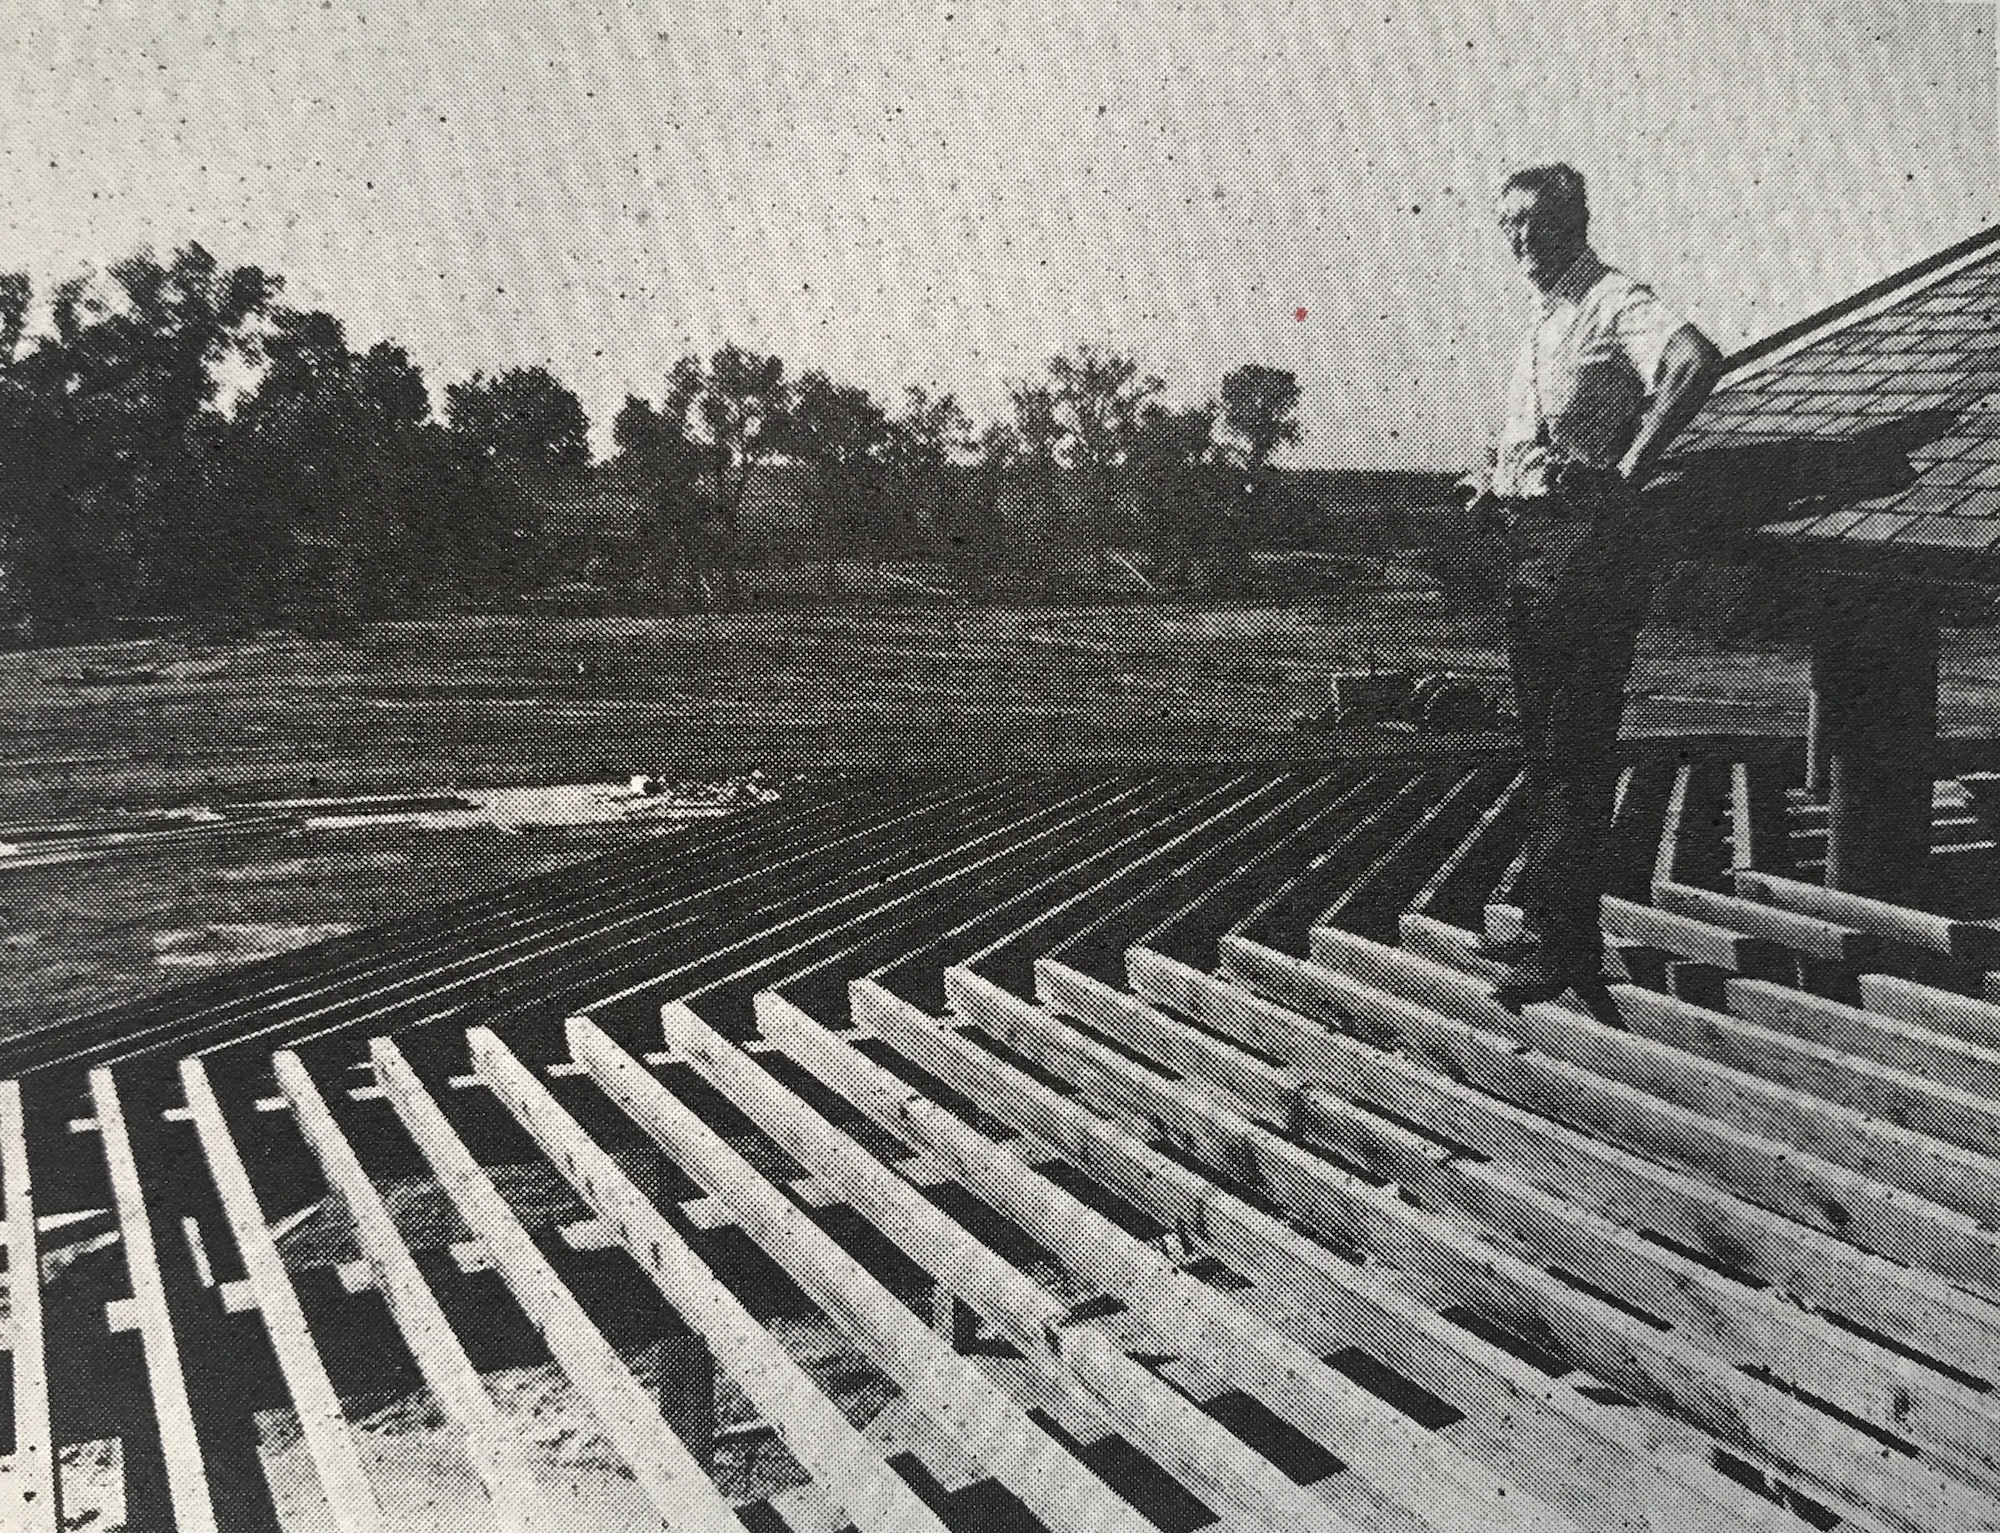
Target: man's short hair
1558, 183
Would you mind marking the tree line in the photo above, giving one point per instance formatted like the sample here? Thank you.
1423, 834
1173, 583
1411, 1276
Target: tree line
179, 441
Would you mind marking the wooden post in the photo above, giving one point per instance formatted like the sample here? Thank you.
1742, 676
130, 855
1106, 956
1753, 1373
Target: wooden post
1875, 691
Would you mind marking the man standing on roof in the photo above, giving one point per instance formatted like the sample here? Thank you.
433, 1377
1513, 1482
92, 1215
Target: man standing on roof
1607, 375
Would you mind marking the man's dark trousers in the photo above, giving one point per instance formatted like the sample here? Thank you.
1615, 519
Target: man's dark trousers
1577, 596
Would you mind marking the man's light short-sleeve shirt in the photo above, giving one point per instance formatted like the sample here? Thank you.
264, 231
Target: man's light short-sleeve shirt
1585, 372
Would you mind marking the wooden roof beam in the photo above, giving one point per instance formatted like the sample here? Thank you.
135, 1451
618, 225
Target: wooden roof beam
1471, 1107
1376, 1442
1447, 1267
495, 1449
851, 1474
1765, 1141
1574, 1453
37, 1507
180, 1444
950, 1389
351, 1500
1718, 1314
670, 1477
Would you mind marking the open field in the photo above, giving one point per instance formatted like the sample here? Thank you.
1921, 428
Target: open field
435, 707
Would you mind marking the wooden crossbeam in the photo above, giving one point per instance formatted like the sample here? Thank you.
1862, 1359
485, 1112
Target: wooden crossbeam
1935, 1118
1886, 1298
187, 1472
669, 1476
1447, 1267
1381, 1446
36, 1505
494, 1448
849, 1472
1979, 945
1906, 1046
1477, 842
1691, 832
350, 1499
1810, 935
1760, 835
1763, 1080
1623, 1088
1220, 1470
1742, 1326
1945, 1011
1595, 1463
1701, 941
951, 1390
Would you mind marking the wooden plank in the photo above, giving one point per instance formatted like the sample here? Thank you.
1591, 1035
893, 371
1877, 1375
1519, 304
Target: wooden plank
1908, 1046
1447, 1266
1887, 1298
1810, 935
1605, 1468
948, 1388
1898, 923
496, 1450
1934, 1118
669, 1476
1478, 843
1699, 940
1381, 1446
351, 1500
1754, 1078
1944, 1011
1623, 1088
36, 1505
1760, 831
848, 1470
187, 1473
1742, 1325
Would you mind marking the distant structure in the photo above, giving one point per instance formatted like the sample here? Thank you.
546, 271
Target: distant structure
1880, 576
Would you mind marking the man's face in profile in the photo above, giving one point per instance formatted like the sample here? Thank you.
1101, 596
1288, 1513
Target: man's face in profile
1541, 232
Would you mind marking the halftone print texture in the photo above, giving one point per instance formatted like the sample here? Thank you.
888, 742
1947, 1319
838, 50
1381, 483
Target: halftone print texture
763, 774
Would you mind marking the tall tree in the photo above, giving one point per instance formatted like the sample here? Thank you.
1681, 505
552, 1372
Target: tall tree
522, 419
1171, 468
841, 432
105, 418
738, 406
501, 430
656, 450
924, 438
1260, 407
1098, 396
335, 443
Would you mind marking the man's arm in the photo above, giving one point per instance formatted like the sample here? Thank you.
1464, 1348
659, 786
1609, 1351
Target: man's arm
1689, 369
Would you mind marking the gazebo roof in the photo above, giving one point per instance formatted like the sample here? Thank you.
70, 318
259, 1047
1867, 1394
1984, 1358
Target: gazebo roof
1924, 341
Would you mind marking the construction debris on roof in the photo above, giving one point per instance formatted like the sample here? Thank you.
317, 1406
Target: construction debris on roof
1074, 1152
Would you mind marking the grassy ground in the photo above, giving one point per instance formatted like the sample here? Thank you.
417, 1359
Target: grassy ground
427, 706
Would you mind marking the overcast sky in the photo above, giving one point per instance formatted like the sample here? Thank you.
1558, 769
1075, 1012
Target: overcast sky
947, 192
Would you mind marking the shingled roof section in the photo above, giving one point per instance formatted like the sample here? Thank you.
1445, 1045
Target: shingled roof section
1924, 340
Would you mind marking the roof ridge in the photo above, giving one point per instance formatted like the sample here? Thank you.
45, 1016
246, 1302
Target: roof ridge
1818, 324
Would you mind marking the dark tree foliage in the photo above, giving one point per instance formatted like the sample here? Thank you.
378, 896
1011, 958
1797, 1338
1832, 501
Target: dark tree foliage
1260, 407
484, 531
656, 449
1097, 397
115, 496
737, 406
841, 433
333, 449
925, 438
1172, 470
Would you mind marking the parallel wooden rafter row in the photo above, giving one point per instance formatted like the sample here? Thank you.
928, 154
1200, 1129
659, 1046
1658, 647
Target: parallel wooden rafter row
1730, 1264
